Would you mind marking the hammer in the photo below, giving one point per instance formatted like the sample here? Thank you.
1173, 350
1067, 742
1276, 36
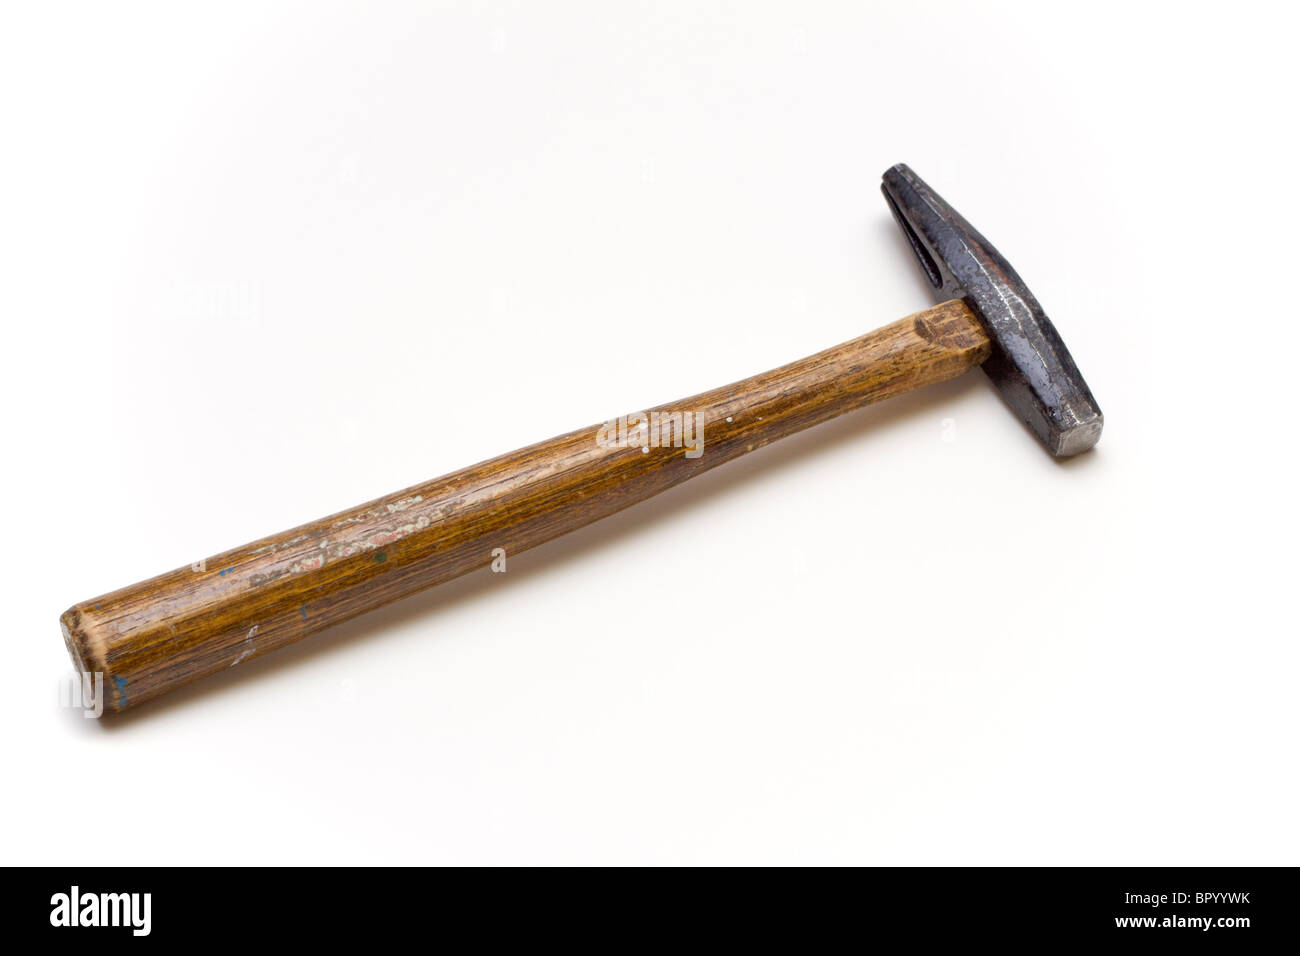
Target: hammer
207, 617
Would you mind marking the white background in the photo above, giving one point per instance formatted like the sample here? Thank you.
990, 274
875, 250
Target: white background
262, 262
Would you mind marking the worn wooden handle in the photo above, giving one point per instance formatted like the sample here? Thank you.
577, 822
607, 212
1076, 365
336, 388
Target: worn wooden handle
201, 619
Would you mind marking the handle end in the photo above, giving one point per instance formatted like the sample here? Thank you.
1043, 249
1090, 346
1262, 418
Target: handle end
86, 646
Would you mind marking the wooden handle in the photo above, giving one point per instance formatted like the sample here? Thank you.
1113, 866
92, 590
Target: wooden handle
154, 636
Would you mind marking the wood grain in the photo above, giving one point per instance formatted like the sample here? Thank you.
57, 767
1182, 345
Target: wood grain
199, 620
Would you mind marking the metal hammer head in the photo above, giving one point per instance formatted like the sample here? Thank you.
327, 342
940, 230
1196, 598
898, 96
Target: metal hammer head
1030, 364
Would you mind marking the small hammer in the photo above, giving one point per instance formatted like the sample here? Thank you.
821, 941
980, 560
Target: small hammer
151, 637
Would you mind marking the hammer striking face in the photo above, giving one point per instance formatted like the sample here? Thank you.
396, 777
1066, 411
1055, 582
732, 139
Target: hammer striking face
218, 612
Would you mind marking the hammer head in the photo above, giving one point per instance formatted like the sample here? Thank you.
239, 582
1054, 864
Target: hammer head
1030, 364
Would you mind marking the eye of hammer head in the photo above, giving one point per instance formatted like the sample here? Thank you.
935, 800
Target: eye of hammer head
1030, 364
